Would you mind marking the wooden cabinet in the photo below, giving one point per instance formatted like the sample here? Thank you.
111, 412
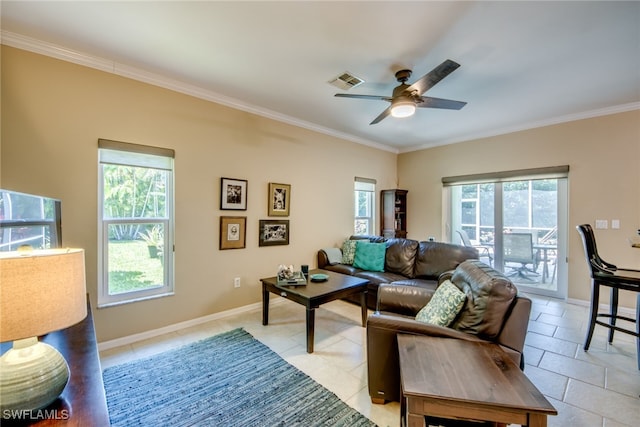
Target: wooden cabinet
394, 213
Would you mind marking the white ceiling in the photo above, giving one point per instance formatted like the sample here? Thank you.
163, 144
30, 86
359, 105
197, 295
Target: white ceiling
523, 64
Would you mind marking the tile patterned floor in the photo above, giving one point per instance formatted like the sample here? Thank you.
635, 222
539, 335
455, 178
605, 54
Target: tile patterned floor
596, 388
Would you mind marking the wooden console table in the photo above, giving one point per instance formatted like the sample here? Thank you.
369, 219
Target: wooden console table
457, 379
83, 402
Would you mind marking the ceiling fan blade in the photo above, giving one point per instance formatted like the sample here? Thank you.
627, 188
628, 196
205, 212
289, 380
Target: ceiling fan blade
375, 97
430, 79
382, 115
448, 104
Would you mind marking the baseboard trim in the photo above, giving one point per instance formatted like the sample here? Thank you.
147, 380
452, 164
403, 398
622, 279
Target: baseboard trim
625, 311
130, 339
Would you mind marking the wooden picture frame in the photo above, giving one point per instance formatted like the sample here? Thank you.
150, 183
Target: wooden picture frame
233, 232
273, 232
279, 199
233, 194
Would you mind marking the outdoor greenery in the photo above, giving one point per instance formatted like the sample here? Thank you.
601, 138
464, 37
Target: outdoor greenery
526, 204
133, 192
131, 268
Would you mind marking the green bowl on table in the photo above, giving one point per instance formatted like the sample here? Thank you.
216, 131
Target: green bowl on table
319, 277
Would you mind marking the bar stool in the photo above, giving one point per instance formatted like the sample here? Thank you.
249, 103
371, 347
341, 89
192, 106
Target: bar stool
607, 274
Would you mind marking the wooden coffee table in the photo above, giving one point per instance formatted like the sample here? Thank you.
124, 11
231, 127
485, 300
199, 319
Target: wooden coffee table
457, 379
315, 294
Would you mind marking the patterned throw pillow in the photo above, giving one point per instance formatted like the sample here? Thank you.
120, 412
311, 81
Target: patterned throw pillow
370, 256
348, 251
444, 306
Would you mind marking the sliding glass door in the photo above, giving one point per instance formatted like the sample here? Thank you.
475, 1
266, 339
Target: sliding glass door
518, 226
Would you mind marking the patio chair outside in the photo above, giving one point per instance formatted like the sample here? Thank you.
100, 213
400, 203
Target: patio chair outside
518, 248
483, 250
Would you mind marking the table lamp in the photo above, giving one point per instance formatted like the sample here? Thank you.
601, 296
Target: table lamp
41, 291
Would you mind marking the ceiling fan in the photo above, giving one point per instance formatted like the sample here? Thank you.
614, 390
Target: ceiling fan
406, 98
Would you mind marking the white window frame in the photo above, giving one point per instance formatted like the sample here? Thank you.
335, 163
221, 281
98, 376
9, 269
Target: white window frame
368, 186
125, 154
561, 173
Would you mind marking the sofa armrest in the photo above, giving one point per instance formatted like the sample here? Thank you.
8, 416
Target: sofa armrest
447, 275
407, 325
402, 299
514, 330
383, 366
323, 259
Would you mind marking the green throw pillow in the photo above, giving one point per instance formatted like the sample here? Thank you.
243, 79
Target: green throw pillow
444, 305
348, 251
370, 256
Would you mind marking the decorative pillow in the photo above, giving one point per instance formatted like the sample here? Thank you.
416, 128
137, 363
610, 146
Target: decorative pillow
334, 255
444, 306
348, 251
369, 256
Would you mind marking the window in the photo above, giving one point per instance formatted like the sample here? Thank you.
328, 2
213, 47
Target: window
135, 259
521, 213
29, 220
364, 218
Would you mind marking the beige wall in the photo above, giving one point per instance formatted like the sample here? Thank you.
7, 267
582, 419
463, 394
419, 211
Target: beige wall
604, 182
53, 113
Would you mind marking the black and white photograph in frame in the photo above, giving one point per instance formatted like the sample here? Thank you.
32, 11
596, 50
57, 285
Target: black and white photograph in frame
233, 194
233, 232
279, 199
273, 232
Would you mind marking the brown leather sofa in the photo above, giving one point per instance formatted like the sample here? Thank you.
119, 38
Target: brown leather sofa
407, 262
493, 312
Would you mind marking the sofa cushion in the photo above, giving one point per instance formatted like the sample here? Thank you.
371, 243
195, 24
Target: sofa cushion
349, 270
444, 305
420, 283
348, 251
434, 258
490, 296
401, 256
378, 277
369, 256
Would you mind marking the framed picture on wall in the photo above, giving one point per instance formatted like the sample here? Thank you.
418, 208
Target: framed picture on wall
233, 194
273, 232
233, 232
279, 199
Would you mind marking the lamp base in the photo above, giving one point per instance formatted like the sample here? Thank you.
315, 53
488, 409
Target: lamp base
32, 375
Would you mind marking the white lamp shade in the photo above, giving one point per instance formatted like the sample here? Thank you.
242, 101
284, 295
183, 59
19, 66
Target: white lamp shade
41, 291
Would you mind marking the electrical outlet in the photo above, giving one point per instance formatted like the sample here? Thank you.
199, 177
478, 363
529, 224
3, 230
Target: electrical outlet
236, 282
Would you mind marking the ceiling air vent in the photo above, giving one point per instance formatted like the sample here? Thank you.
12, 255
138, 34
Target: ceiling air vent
346, 81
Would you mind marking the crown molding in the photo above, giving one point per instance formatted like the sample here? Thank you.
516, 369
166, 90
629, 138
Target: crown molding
58, 52
533, 125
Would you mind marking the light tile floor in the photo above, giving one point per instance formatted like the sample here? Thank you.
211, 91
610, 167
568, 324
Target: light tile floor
596, 388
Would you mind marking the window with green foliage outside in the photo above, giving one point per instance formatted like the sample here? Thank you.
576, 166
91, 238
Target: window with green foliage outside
136, 222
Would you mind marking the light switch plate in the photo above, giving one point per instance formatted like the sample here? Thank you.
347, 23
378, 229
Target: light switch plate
615, 223
602, 223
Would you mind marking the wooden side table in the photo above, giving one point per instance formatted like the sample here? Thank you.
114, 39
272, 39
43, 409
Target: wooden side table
83, 402
457, 379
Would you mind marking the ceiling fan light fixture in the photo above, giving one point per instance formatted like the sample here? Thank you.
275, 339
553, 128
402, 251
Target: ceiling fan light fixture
403, 108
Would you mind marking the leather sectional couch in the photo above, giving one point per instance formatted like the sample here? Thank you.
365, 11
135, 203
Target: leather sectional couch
407, 262
493, 312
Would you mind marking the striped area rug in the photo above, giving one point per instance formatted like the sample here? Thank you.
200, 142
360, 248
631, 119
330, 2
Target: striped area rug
230, 379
